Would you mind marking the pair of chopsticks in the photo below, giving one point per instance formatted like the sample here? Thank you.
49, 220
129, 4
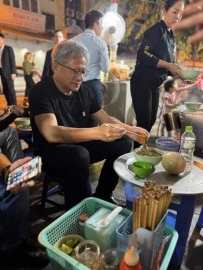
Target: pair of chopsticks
133, 133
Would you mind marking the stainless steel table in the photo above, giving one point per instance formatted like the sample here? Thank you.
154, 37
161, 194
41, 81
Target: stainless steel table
187, 185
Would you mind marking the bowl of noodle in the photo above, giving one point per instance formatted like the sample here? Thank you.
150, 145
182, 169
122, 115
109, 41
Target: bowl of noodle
154, 156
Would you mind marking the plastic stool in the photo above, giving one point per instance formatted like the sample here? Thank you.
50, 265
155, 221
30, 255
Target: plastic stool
47, 193
200, 220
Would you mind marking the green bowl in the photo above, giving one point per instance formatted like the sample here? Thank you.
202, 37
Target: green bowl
190, 74
22, 122
141, 168
192, 106
153, 160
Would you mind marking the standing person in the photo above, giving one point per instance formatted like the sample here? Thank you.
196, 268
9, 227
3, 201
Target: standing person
97, 48
171, 100
28, 69
155, 61
60, 110
47, 70
7, 71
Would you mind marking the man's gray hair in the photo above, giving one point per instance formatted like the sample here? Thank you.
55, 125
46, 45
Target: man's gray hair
67, 50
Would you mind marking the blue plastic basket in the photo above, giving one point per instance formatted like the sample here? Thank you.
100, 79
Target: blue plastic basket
68, 224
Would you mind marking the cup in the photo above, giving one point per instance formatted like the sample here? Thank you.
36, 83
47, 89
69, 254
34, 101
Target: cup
87, 253
110, 259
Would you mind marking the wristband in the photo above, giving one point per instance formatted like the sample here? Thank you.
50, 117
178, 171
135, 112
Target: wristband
4, 171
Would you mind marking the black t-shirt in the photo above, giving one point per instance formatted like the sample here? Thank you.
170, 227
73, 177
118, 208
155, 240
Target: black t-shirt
70, 111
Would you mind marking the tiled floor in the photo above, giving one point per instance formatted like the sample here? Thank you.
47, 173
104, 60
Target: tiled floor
40, 218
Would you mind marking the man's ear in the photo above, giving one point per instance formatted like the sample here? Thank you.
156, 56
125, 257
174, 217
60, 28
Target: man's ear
95, 25
54, 66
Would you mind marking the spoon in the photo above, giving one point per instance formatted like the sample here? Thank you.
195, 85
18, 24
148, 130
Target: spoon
144, 147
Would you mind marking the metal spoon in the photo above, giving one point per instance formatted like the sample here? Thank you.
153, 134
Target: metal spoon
145, 148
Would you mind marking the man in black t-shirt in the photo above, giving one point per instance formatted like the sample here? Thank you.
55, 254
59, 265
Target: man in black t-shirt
60, 109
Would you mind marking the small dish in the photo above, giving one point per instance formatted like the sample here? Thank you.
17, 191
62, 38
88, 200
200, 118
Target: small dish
141, 168
24, 129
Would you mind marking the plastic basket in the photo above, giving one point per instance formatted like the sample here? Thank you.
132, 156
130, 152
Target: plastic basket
169, 247
68, 224
149, 241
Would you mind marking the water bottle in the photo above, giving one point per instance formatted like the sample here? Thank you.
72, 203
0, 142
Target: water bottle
188, 139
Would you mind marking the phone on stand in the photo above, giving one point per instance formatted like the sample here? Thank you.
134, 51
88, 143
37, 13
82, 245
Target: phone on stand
25, 172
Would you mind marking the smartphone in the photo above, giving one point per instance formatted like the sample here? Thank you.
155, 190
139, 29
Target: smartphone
26, 172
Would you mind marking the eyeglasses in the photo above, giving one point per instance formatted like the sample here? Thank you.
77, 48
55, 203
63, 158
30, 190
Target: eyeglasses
76, 72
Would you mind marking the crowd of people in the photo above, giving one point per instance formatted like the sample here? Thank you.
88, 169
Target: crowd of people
62, 109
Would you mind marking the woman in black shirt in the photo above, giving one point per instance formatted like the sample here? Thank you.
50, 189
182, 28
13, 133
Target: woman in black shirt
155, 61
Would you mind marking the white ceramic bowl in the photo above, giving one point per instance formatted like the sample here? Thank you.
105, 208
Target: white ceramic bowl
193, 106
153, 160
64, 239
22, 122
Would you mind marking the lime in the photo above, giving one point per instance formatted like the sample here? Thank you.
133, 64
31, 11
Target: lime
66, 249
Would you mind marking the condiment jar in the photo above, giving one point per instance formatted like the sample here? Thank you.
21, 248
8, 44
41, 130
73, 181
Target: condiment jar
82, 218
110, 259
87, 253
131, 260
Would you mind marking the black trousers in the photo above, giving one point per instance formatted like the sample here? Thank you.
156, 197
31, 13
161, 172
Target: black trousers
145, 97
70, 163
8, 89
29, 83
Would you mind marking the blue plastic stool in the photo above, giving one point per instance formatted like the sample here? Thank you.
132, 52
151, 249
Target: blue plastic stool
200, 220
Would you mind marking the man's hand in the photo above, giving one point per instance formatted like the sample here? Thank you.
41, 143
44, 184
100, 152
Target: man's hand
13, 76
111, 132
141, 134
16, 188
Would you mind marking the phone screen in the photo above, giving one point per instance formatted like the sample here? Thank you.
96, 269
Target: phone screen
25, 172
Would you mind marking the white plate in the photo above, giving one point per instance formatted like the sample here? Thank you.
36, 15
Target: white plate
24, 129
129, 168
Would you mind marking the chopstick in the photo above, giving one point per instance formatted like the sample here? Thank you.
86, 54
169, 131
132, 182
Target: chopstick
150, 208
133, 133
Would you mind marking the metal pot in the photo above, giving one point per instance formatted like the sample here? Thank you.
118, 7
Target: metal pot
172, 121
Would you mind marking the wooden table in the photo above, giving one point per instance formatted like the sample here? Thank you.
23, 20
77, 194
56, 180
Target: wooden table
187, 185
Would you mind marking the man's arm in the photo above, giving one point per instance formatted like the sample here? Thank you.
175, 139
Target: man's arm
104, 58
48, 126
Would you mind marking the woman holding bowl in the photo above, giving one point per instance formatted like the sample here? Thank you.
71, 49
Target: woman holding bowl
155, 61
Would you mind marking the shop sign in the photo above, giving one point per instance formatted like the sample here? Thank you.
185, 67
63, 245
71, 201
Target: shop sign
194, 64
21, 19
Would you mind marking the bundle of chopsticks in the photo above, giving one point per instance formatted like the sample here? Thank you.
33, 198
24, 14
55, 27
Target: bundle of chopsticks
149, 208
